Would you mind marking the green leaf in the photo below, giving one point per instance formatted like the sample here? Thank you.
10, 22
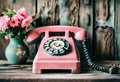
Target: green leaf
2, 34
9, 12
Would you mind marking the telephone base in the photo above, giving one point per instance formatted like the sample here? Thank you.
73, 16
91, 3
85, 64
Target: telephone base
72, 65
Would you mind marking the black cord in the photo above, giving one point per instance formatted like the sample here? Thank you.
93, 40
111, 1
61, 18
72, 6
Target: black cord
109, 69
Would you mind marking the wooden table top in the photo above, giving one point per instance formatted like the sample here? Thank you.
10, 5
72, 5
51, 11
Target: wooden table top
24, 73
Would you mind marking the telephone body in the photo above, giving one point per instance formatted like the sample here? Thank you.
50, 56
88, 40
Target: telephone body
56, 52
61, 52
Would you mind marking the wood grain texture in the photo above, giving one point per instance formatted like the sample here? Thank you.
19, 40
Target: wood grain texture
104, 43
86, 18
5, 4
23, 73
104, 13
73, 10
62, 12
104, 30
29, 5
102, 10
46, 8
117, 31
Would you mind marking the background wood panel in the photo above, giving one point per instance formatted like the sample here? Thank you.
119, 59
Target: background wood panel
58, 12
5, 4
104, 17
89, 14
29, 5
117, 31
46, 8
86, 15
104, 43
86, 20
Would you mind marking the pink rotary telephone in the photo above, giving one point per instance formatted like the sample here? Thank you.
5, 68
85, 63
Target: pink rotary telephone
62, 52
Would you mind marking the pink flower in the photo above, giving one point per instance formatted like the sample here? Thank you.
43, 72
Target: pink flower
26, 22
23, 12
20, 18
14, 24
14, 21
3, 26
4, 21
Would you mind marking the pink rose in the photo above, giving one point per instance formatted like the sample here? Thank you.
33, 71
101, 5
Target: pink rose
20, 18
4, 21
23, 12
26, 22
3, 26
14, 21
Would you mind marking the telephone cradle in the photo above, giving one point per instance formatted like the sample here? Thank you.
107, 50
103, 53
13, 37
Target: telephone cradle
61, 52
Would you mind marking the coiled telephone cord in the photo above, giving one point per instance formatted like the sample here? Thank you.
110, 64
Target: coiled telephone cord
109, 69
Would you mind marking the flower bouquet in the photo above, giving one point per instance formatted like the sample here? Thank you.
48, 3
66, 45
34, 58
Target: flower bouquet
14, 24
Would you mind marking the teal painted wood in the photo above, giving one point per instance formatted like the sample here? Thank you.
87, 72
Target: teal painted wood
16, 52
64, 14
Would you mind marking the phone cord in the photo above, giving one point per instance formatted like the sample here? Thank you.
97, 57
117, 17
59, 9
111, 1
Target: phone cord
109, 69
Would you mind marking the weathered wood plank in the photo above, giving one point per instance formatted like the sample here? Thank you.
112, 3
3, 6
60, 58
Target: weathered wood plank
5, 4
117, 31
29, 5
60, 12
73, 10
104, 43
47, 11
104, 37
68, 12
104, 13
18, 73
86, 14
102, 10
86, 21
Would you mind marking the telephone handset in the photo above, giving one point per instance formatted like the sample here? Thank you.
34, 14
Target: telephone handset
34, 34
61, 52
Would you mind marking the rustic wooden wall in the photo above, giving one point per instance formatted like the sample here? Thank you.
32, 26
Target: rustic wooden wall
99, 17
117, 31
